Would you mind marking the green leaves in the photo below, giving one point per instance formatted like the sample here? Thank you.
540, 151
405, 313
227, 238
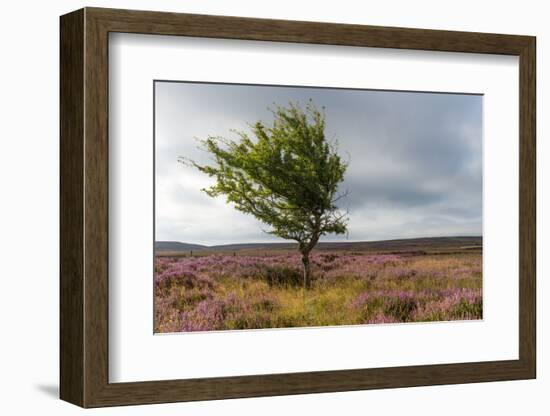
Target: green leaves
287, 177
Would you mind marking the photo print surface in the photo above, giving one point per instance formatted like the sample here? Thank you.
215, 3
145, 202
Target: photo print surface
284, 206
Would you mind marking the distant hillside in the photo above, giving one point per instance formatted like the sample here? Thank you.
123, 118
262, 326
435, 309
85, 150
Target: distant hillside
177, 246
402, 245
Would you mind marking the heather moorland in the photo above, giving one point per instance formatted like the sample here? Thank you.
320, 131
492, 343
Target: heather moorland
225, 291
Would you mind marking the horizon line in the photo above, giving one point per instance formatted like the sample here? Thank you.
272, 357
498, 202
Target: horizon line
321, 242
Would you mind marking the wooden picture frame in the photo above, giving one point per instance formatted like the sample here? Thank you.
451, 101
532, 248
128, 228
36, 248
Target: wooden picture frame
84, 207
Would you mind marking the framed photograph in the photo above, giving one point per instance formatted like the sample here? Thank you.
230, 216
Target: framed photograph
254, 207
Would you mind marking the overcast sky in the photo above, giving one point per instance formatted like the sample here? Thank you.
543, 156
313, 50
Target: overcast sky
415, 160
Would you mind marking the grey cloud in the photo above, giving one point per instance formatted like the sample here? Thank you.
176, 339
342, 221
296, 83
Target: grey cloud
415, 160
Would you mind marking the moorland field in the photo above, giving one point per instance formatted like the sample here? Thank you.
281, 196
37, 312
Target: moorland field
255, 286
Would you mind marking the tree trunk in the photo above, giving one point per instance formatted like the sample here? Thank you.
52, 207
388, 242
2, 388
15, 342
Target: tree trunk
307, 270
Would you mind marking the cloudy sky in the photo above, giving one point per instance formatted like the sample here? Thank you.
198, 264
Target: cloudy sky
415, 160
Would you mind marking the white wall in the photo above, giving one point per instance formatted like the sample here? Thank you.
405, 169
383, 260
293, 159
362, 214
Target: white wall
29, 208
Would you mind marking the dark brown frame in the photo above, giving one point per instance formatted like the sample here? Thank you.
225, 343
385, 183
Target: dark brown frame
84, 210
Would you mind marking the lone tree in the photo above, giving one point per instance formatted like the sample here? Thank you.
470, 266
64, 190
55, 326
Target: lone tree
287, 178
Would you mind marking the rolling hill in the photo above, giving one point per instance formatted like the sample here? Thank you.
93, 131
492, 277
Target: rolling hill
428, 244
